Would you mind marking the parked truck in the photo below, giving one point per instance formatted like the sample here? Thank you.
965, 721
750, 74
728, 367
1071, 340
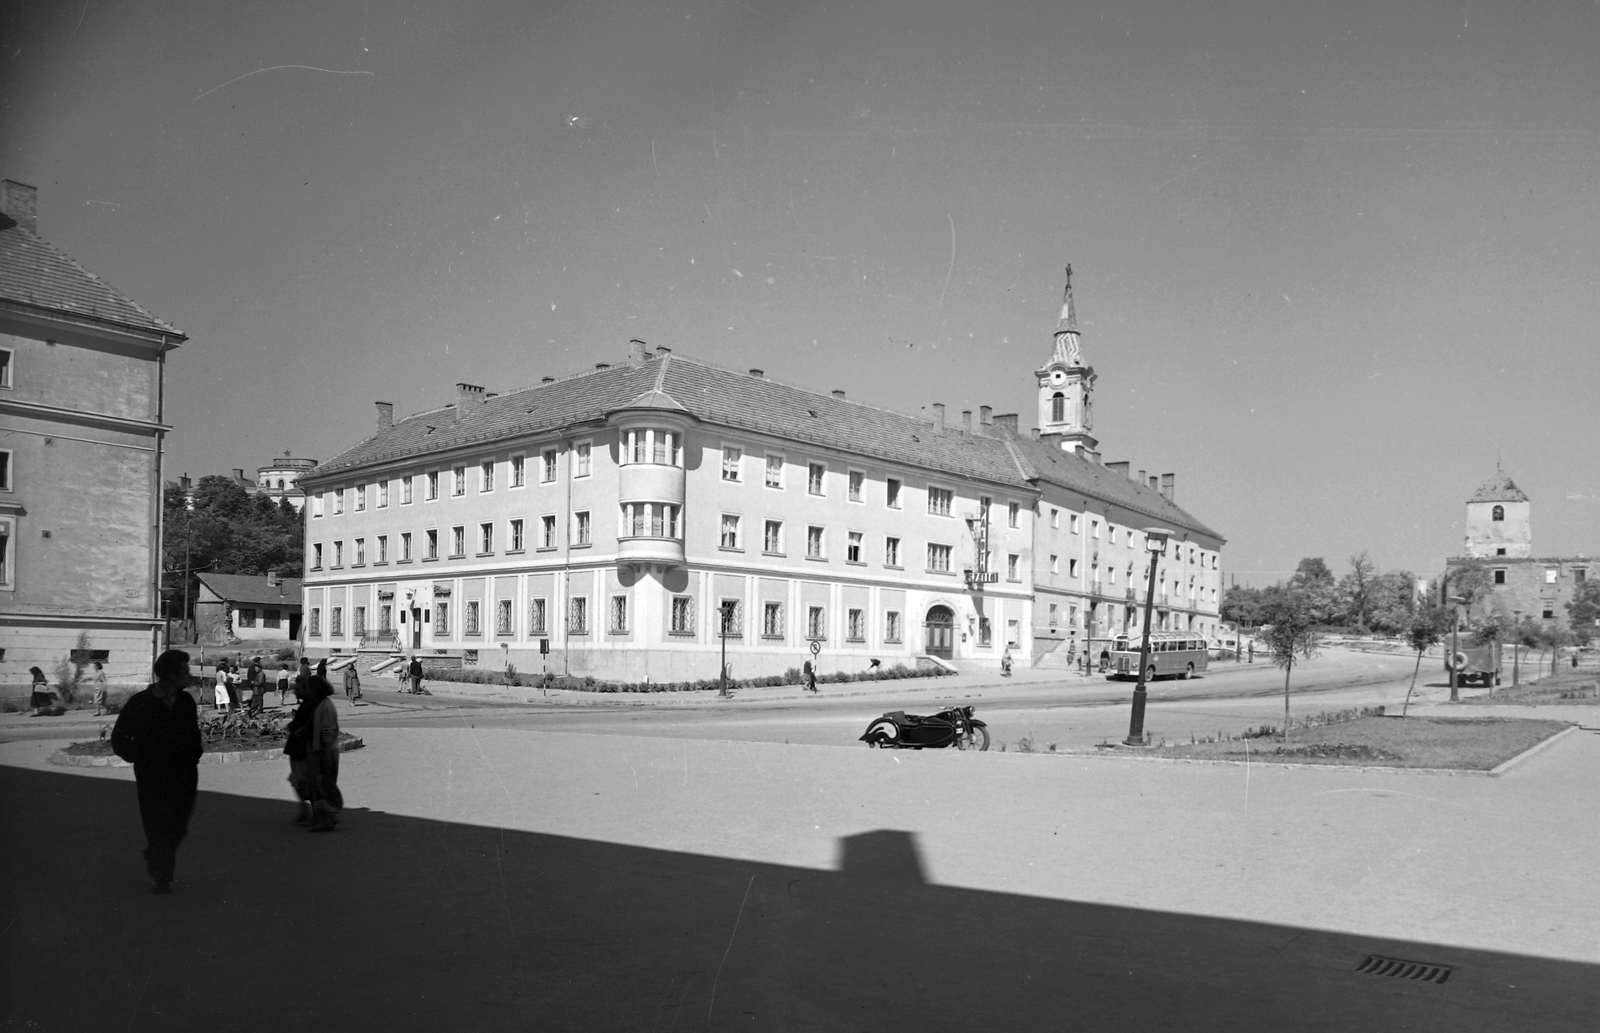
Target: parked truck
1474, 663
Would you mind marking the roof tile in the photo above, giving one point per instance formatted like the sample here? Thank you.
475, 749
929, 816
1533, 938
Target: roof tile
33, 272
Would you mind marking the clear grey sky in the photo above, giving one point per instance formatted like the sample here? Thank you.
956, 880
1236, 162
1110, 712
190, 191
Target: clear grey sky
1331, 259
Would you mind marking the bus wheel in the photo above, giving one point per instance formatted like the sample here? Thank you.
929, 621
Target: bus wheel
1150, 675
1188, 672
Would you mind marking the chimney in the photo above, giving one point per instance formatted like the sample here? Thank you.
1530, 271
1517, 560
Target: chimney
758, 373
602, 365
1007, 423
938, 417
468, 393
985, 415
663, 351
21, 202
1168, 484
238, 474
837, 393
1141, 479
1036, 433
547, 380
385, 415
636, 352
1155, 483
966, 423
1120, 469
185, 483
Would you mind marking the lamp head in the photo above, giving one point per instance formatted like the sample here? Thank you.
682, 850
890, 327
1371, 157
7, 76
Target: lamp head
1155, 539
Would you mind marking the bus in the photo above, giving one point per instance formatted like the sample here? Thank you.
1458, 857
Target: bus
1173, 654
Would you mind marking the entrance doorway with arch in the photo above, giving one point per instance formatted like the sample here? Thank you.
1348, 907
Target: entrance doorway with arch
939, 632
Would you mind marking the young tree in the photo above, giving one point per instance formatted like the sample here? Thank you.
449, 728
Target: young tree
1291, 636
1425, 629
1357, 588
1393, 601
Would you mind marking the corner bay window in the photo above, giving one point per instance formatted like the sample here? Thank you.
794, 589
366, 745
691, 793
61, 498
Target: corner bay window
662, 447
648, 520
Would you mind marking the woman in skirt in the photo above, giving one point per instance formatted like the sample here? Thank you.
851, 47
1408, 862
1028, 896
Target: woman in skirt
39, 693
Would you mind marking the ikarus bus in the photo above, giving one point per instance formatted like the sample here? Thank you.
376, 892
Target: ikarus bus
1173, 654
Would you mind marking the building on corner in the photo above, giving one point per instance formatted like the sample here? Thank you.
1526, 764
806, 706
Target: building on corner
1499, 541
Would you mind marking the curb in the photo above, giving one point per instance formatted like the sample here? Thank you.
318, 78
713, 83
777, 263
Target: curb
1537, 747
84, 760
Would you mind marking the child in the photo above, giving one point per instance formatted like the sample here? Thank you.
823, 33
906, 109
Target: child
283, 681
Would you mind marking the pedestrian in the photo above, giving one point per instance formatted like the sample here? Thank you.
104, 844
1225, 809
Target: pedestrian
283, 682
219, 692
322, 759
302, 678
322, 668
414, 672
810, 673
158, 732
100, 701
257, 680
39, 692
1005, 664
296, 745
233, 685
352, 682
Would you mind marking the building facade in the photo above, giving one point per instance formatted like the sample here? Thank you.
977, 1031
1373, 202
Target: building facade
280, 479
81, 435
1499, 541
626, 517
240, 608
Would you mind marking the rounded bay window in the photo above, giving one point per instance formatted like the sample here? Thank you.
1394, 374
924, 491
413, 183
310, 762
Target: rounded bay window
650, 485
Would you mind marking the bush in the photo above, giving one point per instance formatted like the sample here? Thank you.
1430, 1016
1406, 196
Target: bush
287, 653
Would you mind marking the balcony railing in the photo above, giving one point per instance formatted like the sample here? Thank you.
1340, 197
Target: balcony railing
381, 640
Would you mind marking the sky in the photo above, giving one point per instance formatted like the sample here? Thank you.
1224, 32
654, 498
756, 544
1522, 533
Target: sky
1332, 262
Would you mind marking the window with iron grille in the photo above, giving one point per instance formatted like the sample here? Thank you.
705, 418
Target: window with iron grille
536, 616
472, 615
891, 626
619, 615
441, 619
336, 622
385, 619
855, 625
772, 620
578, 615
502, 616
985, 632
682, 616
732, 614
359, 625
816, 623
315, 623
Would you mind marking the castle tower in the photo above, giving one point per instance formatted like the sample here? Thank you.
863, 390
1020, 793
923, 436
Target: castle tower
1498, 520
1066, 383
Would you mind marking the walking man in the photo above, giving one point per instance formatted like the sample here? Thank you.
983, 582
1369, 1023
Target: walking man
158, 732
258, 686
414, 673
352, 682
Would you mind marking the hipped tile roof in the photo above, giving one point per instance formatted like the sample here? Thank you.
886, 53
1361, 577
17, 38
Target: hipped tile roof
244, 588
33, 272
739, 401
1498, 488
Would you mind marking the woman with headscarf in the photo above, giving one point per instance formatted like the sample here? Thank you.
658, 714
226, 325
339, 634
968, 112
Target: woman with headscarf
322, 759
297, 745
39, 693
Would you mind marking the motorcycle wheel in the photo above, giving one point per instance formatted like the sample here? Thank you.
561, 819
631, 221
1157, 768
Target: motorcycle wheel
978, 739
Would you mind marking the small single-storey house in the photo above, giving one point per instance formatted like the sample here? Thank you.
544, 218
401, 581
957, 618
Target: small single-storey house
247, 608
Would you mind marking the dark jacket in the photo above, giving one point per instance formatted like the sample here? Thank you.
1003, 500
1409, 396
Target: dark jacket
414, 669
158, 740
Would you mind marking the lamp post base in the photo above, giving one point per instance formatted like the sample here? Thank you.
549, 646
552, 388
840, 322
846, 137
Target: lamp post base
1136, 722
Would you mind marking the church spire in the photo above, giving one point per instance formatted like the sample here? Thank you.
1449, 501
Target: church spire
1067, 351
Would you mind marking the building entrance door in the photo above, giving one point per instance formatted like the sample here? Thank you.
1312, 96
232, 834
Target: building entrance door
416, 628
939, 632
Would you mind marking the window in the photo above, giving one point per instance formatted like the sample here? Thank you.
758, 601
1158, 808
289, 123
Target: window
359, 627
441, 619
433, 485
458, 541
385, 619
1011, 566
1094, 529
1013, 514
383, 548
271, 618
1013, 632
316, 504
663, 448
361, 552
814, 542
856, 480
985, 632
731, 457
519, 471
405, 547
247, 617
580, 526
338, 502
891, 492
1072, 567
1055, 565
1055, 520
361, 498
732, 618
431, 540
458, 481
815, 472
939, 500
5, 367
855, 625
547, 531
1111, 575
383, 494
772, 537
1549, 612
774, 475
772, 620
729, 538
1053, 615
938, 557
891, 552
336, 621
1500, 551
315, 622
619, 615
852, 548
1058, 407
891, 626
1551, 575
816, 623
547, 466
1580, 575
338, 554
516, 535
486, 475
682, 615
316, 556
536, 616
1500, 577
1053, 523
1499, 513
407, 485
1111, 536
471, 623
485, 538
585, 453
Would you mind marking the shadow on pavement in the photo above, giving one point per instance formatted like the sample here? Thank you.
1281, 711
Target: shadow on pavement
397, 923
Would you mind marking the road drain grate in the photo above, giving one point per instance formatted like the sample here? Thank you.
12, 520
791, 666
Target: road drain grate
1397, 968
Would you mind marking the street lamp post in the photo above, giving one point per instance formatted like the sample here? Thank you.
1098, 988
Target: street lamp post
1155, 543
1455, 627
726, 609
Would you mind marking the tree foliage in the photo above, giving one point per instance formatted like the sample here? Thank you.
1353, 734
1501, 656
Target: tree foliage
1583, 610
1291, 635
228, 531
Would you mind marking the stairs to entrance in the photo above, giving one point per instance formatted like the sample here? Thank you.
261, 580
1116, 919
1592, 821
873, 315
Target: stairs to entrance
1057, 659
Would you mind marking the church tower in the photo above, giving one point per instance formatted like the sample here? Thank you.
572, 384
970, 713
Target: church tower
1066, 383
1498, 520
